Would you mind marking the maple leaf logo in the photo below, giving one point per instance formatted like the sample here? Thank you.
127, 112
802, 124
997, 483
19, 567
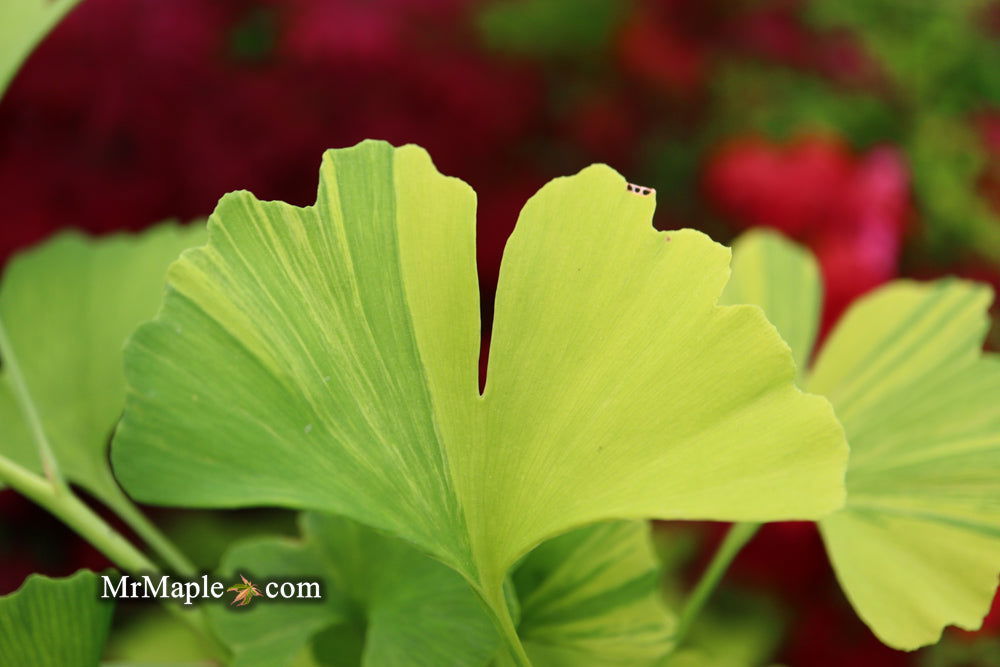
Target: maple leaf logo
245, 592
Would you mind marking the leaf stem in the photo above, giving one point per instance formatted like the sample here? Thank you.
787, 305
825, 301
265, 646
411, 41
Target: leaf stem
150, 534
54, 494
515, 655
21, 392
121, 503
737, 537
75, 514
67, 507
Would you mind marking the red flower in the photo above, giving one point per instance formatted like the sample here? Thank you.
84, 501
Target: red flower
852, 210
659, 46
131, 113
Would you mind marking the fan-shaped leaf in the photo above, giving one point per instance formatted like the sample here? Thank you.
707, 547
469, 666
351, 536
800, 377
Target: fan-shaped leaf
383, 601
326, 358
592, 597
67, 308
917, 546
782, 278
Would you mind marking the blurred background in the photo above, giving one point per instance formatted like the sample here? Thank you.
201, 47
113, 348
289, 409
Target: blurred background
869, 131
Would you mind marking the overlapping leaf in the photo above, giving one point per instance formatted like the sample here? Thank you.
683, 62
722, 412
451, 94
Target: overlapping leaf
592, 597
917, 546
67, 308
783, 279
384, 603
54, 622
326, 358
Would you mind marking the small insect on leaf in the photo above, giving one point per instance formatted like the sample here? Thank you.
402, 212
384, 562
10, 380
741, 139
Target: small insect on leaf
640, 189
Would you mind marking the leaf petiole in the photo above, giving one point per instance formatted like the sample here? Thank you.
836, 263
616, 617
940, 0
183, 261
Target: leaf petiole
514, 653
69, 509
74, 513
150, 534
13, 370
737, 537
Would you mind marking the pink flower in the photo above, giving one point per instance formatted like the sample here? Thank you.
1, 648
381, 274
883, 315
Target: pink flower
851, 209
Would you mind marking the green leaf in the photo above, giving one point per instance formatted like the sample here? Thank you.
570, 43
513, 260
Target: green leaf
917, 546
592, 597
948, 160
54, 622
153, 636
938, 53
782, 278
782, 102
327, 358
381, 598
272, 632
23, 24
67, 308
551, 28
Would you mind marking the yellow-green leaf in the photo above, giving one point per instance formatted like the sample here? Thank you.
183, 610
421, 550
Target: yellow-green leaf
917, 546
23, 23
383, 602
782, 278
591, 598
326, 358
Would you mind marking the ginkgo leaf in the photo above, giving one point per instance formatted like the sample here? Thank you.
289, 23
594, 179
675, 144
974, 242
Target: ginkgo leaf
23, 23
67, 308
917, 546
592, 597
54, 622
782, 278
273, 632
326, 358
383, 601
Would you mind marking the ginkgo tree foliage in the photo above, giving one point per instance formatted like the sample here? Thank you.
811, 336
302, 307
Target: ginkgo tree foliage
326, 358
66, 309
590, 597
917, 545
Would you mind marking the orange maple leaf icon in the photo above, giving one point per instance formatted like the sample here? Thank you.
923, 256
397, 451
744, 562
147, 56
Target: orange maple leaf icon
245, 592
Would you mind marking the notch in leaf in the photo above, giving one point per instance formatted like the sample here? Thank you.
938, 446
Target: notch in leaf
333, 351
